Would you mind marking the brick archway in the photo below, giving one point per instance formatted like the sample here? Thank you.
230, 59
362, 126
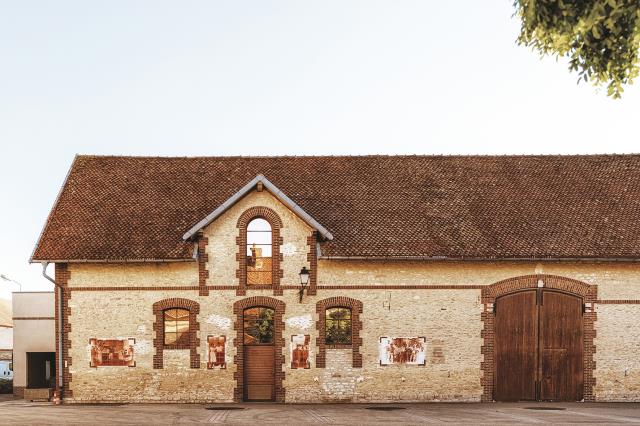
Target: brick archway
238, 310
490, 293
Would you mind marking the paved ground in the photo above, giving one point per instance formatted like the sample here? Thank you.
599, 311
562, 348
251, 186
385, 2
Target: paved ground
23, 413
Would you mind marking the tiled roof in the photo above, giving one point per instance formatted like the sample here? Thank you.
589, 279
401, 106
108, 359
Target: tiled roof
132, 208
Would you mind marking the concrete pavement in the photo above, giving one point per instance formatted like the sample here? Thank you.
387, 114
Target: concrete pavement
20, 412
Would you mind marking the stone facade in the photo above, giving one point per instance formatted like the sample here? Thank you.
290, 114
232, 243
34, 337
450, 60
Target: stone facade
439, 300
617, 347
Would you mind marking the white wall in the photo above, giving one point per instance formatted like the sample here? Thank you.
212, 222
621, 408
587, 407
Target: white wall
6, 337
31, 335
33, 304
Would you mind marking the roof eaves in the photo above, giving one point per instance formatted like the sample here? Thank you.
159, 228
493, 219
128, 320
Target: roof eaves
485, 258
244, 191
52, 211
117, 260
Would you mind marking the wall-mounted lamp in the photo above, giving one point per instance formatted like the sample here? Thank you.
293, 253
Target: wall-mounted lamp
304, 280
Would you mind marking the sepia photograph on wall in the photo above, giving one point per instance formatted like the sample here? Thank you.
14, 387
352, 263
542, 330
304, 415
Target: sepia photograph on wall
300, 351
112, 352
216, 350
402, 350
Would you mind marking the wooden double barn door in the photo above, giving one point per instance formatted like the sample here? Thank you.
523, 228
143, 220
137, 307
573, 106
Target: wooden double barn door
538, 346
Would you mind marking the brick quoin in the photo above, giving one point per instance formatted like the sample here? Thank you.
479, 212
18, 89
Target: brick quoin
158, 326
203, 258
589, 295
276, 257
312, 258
238, 310
62, 277
356, 327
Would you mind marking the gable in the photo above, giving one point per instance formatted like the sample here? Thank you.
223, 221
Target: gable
223, 233
262, 184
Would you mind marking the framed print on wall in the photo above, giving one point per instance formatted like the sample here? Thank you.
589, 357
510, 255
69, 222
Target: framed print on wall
402, 350
299, 351
112, 352
216, 349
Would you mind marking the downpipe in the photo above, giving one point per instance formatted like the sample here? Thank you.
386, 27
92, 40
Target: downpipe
60, 332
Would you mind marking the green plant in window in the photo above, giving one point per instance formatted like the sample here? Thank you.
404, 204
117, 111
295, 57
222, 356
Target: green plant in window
264, 326
338, 326
258, 325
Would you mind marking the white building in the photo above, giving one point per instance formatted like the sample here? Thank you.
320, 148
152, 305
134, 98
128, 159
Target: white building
33, 344
6, 352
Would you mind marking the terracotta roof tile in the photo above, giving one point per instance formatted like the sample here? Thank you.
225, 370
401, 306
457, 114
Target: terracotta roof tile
116, 208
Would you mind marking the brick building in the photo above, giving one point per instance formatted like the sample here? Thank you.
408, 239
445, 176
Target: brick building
466, 278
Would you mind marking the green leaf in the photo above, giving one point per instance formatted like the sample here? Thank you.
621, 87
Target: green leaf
600, 38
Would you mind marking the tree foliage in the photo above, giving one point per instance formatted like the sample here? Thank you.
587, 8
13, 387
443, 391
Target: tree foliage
600, 37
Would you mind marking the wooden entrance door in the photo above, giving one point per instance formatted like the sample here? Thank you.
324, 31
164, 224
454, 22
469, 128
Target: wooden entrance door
538, 346
259, 372
515, 346
259, 354
561, 374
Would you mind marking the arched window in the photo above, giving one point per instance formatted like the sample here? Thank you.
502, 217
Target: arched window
176, 328
338, 326
259, 252
258, 326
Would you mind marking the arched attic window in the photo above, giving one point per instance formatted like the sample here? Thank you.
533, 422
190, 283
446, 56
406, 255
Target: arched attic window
259, 252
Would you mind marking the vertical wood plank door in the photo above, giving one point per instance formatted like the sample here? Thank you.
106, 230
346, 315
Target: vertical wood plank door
259, 371
538, 347
515, 347
561, 345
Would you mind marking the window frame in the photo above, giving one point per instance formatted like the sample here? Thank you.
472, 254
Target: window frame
277, 273
356, 328
246, 320
271, 245
186, 334
158, 326
326, 322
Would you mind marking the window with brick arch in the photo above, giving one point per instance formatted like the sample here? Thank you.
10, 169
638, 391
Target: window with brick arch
259, 252
338, 330
339, 327
176, 328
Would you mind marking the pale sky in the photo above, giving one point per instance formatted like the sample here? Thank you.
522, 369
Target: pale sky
265, 77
